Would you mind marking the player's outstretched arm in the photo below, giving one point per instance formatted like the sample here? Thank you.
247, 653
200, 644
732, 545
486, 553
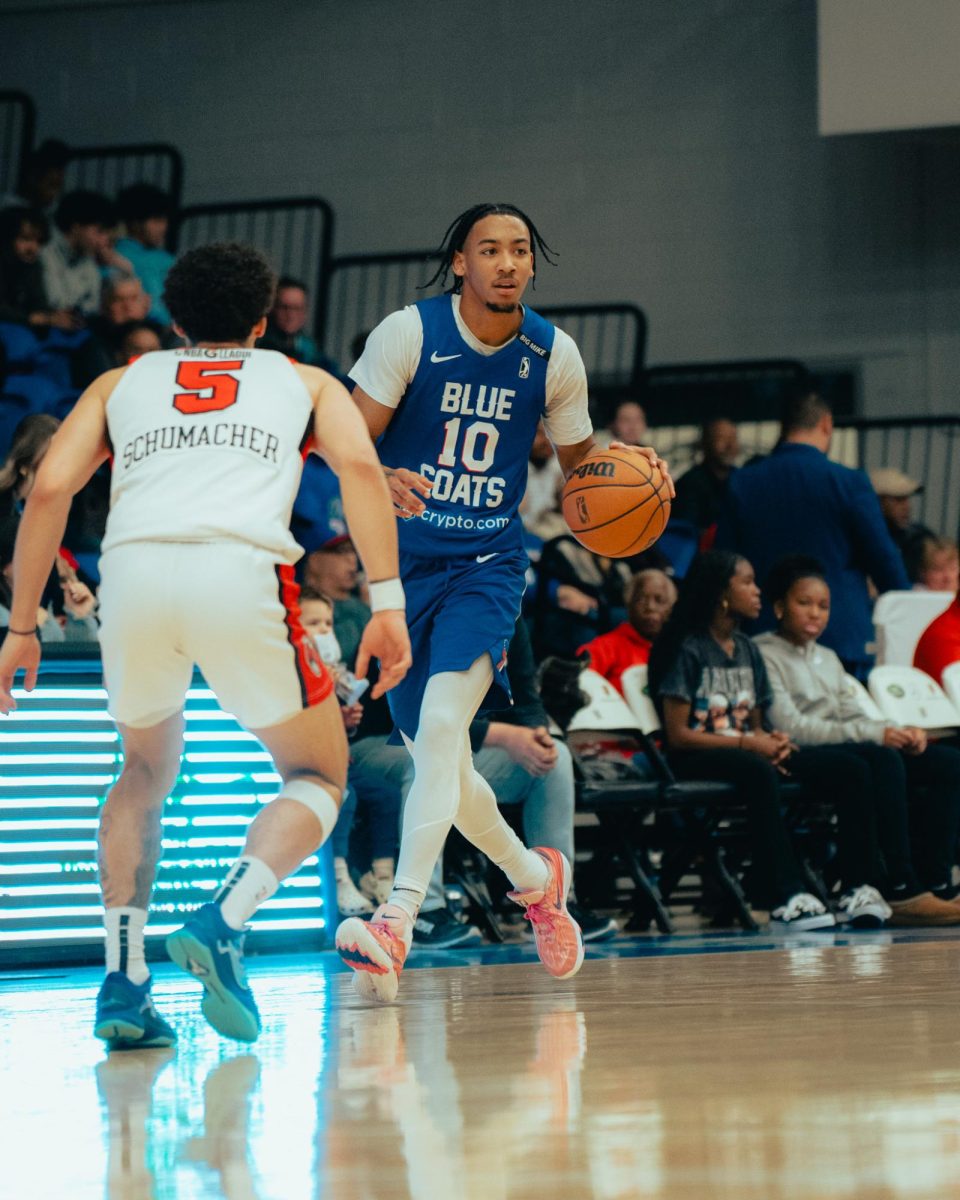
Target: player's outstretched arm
570, 456
342, 436
79, 446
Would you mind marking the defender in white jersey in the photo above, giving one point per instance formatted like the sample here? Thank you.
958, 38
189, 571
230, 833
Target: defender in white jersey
207, 447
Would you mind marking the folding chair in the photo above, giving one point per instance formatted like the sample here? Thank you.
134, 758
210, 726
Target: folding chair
908, 696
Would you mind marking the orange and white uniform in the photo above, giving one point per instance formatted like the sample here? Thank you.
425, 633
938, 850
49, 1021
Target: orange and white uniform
197, 563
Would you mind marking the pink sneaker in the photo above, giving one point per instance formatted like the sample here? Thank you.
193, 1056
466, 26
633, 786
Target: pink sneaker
559, 943
376, 950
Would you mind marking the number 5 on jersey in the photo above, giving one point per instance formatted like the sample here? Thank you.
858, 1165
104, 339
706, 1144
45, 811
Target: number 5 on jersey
209, 387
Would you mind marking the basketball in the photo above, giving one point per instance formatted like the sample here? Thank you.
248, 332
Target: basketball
616, 503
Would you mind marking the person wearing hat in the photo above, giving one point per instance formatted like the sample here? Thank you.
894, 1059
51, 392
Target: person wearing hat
895, 490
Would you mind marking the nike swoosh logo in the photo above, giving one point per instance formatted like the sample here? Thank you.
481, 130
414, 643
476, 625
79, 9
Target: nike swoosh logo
436, 358
481, 558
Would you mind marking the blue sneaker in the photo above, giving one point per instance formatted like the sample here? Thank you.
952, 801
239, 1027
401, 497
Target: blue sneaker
212, 952
126, 1018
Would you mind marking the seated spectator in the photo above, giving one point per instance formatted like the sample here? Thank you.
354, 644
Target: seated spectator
540, 507
578, 596
651, 595
316, 616
137, 338
146, 211
933, 563
939, 644
521, 762
628, 424
711, 685
812, 704
123, 303
42, 178
702, 490
895, 490
71, 274
23, 232
334, 570
287, 327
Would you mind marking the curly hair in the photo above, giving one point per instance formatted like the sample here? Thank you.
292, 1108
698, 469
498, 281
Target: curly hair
789, 570
217, 293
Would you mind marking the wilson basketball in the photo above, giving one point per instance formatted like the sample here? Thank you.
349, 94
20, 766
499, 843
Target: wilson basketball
616, 503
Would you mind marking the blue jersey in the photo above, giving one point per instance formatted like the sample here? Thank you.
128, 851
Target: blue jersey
467, 422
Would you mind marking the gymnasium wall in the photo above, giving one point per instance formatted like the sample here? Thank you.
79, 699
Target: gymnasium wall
669, 151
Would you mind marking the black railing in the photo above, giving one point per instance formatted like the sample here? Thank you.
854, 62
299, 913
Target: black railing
296, 234
109, 169
612, 339
18, 122
689, 393
363, 288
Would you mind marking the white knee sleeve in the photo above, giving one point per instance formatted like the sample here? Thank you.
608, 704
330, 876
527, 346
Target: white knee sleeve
316, 798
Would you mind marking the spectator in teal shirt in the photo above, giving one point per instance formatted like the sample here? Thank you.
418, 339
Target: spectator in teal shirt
146, 212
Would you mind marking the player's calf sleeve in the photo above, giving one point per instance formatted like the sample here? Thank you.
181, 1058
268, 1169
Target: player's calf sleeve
482, 823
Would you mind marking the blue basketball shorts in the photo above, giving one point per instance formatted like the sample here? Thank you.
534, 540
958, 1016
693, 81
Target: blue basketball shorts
458, 609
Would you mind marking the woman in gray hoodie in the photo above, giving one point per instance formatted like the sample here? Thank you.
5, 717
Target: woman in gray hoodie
915, 784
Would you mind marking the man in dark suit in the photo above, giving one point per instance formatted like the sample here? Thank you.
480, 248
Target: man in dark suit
797, 501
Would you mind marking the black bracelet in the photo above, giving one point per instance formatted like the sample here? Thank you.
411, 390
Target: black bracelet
25, 632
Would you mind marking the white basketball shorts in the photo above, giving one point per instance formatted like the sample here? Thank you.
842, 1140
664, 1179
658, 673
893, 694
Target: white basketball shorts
229, 608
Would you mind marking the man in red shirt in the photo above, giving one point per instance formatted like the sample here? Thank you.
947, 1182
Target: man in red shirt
650, 597
939, 645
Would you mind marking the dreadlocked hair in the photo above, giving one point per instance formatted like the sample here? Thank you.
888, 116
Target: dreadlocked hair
702, 590
459, 230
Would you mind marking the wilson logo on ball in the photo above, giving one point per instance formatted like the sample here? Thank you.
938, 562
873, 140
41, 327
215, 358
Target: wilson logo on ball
605, 469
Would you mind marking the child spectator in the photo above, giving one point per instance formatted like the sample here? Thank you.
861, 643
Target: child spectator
933, 563
651, 595
23, 299
146, 211
71, 274
812, 704
711, 684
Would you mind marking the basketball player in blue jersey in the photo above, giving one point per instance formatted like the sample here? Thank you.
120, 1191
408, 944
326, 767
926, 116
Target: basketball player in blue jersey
452, 388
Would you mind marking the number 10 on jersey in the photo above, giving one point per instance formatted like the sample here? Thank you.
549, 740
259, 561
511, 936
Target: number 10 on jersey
471, 455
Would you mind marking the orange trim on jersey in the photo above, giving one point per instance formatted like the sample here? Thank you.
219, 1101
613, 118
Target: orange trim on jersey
316, 682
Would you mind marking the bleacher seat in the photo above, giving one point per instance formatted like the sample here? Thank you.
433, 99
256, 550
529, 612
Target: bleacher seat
679, 543
868, 706
40, 393
900, 618
21, 345
908, 696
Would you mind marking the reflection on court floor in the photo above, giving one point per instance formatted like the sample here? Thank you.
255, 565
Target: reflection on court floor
813, 1069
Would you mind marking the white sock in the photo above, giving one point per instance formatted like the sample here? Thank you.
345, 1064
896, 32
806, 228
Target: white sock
245, 888
124, 928
340, 869
482, 823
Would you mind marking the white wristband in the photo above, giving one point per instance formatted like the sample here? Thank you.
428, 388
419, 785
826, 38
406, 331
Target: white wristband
387, 593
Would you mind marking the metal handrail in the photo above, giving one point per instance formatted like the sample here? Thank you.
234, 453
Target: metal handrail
106, 153
17, 100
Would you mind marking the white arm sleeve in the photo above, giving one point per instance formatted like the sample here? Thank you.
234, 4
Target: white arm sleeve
390, 358
567, 417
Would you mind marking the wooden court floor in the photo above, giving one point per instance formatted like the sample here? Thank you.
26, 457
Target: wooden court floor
807, 1069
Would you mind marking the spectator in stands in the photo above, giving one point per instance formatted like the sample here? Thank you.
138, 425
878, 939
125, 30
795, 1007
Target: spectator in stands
711, 686
42, 178
146, 211
334, 570
540, 507
814, 705
701, 491
933, 563
578, 596
895, 490
628, 424
939, 644
650, 597
136, 338
123, 304
23, 232
287, 327
797, 500
71, 274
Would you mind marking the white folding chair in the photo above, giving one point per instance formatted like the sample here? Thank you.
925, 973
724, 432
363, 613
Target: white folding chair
605, 711
900, 618
866, 702
637, 695
908, 696
951, 683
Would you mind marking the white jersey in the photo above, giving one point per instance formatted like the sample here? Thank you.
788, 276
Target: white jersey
208, 447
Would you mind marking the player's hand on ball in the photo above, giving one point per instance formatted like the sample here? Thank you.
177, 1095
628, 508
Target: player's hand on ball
17, 653
385, 638
404, 488
653, 458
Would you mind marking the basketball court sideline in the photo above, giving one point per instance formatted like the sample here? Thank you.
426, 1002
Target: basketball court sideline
812, 1066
